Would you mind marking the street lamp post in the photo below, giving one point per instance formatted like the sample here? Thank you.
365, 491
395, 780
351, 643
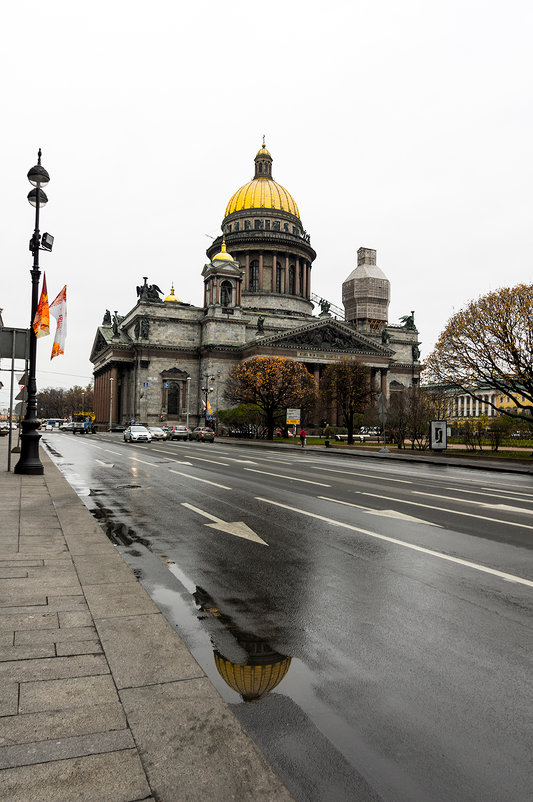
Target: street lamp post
111, 380
29, 462
83, 403
188, 398
207, 389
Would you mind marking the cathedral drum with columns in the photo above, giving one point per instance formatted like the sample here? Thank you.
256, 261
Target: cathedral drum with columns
158, 362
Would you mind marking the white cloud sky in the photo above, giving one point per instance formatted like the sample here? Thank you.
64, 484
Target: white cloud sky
404, 127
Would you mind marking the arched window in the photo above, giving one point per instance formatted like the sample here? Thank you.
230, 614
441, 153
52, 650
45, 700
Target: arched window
254, 275
278, 277
291, 279
225, 293
260, 168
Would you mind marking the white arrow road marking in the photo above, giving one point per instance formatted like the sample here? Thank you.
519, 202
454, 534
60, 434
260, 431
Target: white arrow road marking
237, 528
440, 555
446, 509
292, 478
107, 464
401, 516
356, 473
197, 479
479, 503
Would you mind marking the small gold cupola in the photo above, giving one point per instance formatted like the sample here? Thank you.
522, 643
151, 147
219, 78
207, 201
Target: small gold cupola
172, 297
223, 255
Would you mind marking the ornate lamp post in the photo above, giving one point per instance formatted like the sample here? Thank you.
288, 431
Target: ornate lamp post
29, 462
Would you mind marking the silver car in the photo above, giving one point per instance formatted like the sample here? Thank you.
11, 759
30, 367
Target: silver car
157, 433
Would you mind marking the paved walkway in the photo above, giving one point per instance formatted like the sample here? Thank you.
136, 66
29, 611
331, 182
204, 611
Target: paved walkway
99, 698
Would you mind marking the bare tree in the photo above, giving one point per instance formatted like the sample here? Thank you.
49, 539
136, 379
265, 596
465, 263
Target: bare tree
346, 385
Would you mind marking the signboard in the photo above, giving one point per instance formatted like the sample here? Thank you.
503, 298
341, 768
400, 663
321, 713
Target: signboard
293, 416
14, 343
437, 435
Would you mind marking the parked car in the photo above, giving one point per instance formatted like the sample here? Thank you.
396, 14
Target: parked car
137, 434
179, 433
203, 433
157, 433
66, 427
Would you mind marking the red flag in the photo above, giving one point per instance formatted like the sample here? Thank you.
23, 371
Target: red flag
41, 321
58, 308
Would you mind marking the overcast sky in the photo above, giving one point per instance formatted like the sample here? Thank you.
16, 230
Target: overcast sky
400, 126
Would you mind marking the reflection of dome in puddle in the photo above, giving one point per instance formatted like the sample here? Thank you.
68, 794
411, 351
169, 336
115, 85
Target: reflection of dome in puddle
264, 669
258, 676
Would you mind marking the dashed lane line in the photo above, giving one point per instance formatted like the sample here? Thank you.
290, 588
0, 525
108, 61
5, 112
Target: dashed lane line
282, 476
197, 479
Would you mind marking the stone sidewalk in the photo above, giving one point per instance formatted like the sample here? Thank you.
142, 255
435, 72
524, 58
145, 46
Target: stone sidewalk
99, 698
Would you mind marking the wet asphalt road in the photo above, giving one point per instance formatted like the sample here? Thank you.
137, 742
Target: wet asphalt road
402, 594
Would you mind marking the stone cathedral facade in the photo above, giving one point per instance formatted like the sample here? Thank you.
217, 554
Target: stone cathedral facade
154, 363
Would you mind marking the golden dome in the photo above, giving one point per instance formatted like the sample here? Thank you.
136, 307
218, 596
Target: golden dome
223, 255
172, 297
262, 192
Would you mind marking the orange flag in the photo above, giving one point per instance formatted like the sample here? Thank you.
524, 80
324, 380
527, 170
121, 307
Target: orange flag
41, 321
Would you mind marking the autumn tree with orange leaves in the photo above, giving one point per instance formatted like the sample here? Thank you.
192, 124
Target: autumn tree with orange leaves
489, 342
273, 384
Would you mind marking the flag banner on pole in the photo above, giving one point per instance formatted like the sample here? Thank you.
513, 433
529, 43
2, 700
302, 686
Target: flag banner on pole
58, 309
41, 321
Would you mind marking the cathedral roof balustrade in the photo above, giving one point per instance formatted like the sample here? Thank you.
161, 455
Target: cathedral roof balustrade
272, 240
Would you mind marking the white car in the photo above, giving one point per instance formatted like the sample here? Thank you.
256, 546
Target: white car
137, 434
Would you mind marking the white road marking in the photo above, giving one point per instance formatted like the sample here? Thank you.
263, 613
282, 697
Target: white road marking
203, 459
281, 476
237, 528
514, 492
245, 461
107, 464
479, 503
507, 496
197, 479
445, 509
119, 453
440, 555
136, 459
371, 475
401, 516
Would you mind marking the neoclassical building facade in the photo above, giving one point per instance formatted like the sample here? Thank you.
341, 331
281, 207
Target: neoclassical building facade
157, 362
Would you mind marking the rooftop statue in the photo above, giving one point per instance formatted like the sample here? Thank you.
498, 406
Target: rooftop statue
149, 292
409, 322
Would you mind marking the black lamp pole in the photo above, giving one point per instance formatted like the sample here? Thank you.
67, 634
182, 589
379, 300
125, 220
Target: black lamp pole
29, 462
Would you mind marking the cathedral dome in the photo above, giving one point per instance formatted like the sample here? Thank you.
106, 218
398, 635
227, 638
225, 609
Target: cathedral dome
262, 192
